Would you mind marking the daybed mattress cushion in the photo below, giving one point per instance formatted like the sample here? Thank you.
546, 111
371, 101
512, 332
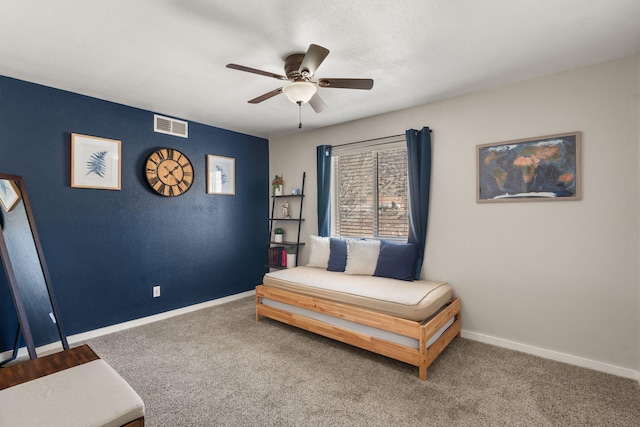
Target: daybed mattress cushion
415, 300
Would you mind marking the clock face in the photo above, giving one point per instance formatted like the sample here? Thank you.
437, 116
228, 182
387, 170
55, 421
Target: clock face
169, 172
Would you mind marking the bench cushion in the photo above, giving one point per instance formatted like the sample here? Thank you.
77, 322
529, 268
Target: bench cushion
91, 394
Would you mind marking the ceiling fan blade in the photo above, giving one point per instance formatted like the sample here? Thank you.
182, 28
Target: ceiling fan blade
256, 71
317, 103
266, 96
365, 84
312, 59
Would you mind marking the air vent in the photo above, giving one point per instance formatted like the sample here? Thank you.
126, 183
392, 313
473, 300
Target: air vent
170, 126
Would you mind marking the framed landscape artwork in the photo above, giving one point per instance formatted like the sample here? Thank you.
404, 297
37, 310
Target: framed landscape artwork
95, 162
221, 175
533, 169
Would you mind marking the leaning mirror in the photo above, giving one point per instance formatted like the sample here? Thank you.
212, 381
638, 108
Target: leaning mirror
26, 270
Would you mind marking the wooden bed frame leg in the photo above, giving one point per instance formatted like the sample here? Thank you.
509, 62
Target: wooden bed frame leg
422, 372
422, 346
257, 302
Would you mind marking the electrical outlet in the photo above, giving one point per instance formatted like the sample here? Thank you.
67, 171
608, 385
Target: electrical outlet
156, 291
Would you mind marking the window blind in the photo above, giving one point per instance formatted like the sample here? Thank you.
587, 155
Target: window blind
370, 189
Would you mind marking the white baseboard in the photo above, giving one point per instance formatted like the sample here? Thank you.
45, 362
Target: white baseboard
74, 339
553, 355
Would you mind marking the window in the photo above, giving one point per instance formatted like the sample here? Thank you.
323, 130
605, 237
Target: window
369, 194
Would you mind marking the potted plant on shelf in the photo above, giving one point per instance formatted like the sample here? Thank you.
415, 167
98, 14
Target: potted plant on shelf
278, 233
291, 256
277, 184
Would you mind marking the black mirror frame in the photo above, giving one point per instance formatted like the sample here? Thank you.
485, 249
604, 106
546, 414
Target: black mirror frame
15, 289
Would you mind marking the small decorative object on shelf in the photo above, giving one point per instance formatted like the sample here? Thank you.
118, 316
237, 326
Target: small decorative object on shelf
291, 256
278, 234
285, 210
277, 184
295, 191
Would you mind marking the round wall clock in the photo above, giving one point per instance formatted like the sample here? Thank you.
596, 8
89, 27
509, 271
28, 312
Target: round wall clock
169, 172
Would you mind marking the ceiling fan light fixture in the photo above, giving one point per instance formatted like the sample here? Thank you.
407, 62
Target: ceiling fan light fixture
299, 92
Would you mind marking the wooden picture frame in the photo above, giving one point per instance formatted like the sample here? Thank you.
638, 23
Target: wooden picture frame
532, 169
95, 162
221, 175
9, 194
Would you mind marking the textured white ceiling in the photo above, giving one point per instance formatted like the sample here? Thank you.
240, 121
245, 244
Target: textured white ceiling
169, 56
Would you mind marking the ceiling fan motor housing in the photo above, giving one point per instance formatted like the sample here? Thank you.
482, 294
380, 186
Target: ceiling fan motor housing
292, 66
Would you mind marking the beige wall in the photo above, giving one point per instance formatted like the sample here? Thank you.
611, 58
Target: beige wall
560, 277
637, 97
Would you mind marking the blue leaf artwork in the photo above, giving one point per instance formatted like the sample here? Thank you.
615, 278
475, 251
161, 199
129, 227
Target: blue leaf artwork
4, 187
220, 175
223, 176
97, 164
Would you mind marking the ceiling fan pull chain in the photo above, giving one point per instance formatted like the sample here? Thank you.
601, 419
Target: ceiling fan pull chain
299, 114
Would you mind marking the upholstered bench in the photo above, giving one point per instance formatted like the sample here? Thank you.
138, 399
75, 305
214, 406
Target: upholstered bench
70, 388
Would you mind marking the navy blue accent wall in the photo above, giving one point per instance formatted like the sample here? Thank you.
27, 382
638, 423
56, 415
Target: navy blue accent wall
106, 249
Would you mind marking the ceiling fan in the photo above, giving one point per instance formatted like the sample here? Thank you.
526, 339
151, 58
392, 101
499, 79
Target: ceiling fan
299, 69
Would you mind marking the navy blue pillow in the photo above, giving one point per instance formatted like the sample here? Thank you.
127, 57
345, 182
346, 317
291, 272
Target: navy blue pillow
396, 261
337, 254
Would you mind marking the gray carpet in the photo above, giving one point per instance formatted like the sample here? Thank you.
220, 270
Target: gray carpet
218, 367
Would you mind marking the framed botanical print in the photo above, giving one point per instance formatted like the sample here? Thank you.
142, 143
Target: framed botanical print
95, 162
221, 175
9, 194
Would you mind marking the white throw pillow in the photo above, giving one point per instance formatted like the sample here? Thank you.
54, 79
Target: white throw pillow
319, 251
362, 257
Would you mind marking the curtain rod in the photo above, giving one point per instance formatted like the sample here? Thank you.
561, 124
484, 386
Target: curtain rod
368, 140
371, 140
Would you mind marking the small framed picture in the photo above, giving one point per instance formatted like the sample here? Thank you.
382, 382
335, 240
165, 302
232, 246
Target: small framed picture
532, 169
9, 194
95, 162
221, 175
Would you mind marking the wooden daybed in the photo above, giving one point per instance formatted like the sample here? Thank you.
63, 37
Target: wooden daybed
349, 318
